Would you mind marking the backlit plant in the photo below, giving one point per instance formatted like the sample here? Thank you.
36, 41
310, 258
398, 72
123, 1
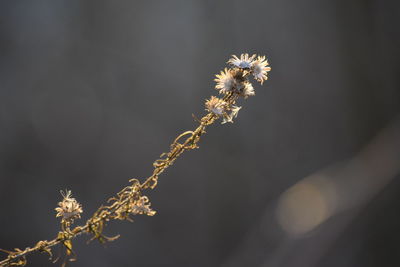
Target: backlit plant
232, 83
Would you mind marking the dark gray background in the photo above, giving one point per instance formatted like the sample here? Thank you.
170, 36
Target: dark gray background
91, 92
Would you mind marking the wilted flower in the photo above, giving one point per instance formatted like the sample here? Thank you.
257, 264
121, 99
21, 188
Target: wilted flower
225, 81
244, 62
142, 206
230, 80
69, 209
216, 105
260, 69
247, 90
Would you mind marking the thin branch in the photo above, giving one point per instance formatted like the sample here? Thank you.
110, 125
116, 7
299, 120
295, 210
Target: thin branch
232, 83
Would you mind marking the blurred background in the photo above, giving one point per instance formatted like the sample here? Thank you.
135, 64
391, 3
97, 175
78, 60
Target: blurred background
91, 92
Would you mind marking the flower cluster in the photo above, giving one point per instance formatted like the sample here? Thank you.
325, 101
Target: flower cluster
69, 209
234, 81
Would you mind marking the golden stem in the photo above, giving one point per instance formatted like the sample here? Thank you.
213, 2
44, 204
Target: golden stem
17, 257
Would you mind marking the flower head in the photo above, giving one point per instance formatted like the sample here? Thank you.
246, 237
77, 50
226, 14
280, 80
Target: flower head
69, 209
225, 81
244, 62
230, 80
216, 105
260, 69
142, 206
247, 90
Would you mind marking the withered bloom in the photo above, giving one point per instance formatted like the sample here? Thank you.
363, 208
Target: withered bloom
260, 69
142, 206
247, 90
225, 81
216, 105
244, 62
69, 209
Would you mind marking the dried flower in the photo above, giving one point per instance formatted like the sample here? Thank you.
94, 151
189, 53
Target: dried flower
230, 80
216, 105
247, 90
142, 206
244, 62
225, 81
69, 209
260, 69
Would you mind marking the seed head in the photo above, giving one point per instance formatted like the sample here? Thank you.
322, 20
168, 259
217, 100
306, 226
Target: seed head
69, 209
230, 80
260, 69
225, 81
142, 206
244, 62
247, 90
216, 105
